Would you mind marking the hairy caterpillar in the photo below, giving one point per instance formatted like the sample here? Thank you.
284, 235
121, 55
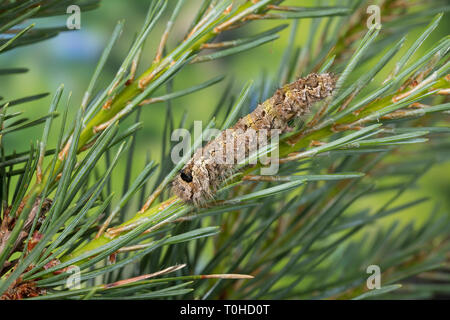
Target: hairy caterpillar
203, 173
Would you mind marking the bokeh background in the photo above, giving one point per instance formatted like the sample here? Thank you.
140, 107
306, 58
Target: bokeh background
71, 57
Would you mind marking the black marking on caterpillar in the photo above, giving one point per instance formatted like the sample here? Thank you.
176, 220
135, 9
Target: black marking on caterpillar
203, 174
187, 177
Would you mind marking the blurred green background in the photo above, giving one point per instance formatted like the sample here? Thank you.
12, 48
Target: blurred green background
71, 58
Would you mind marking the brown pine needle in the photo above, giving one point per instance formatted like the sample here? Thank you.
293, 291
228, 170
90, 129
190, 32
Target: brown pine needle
143, 277
227, 276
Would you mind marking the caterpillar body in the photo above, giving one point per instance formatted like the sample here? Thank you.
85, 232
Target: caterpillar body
204, 172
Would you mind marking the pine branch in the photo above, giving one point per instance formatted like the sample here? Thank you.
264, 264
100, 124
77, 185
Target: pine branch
293, 225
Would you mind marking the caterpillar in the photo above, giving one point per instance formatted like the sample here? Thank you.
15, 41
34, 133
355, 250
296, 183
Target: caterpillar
201, 176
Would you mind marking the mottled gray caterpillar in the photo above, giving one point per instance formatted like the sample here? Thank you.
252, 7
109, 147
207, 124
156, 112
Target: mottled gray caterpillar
204, 172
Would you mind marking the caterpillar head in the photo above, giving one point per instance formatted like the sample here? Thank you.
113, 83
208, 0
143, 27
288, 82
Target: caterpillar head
182, 186
192, 185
